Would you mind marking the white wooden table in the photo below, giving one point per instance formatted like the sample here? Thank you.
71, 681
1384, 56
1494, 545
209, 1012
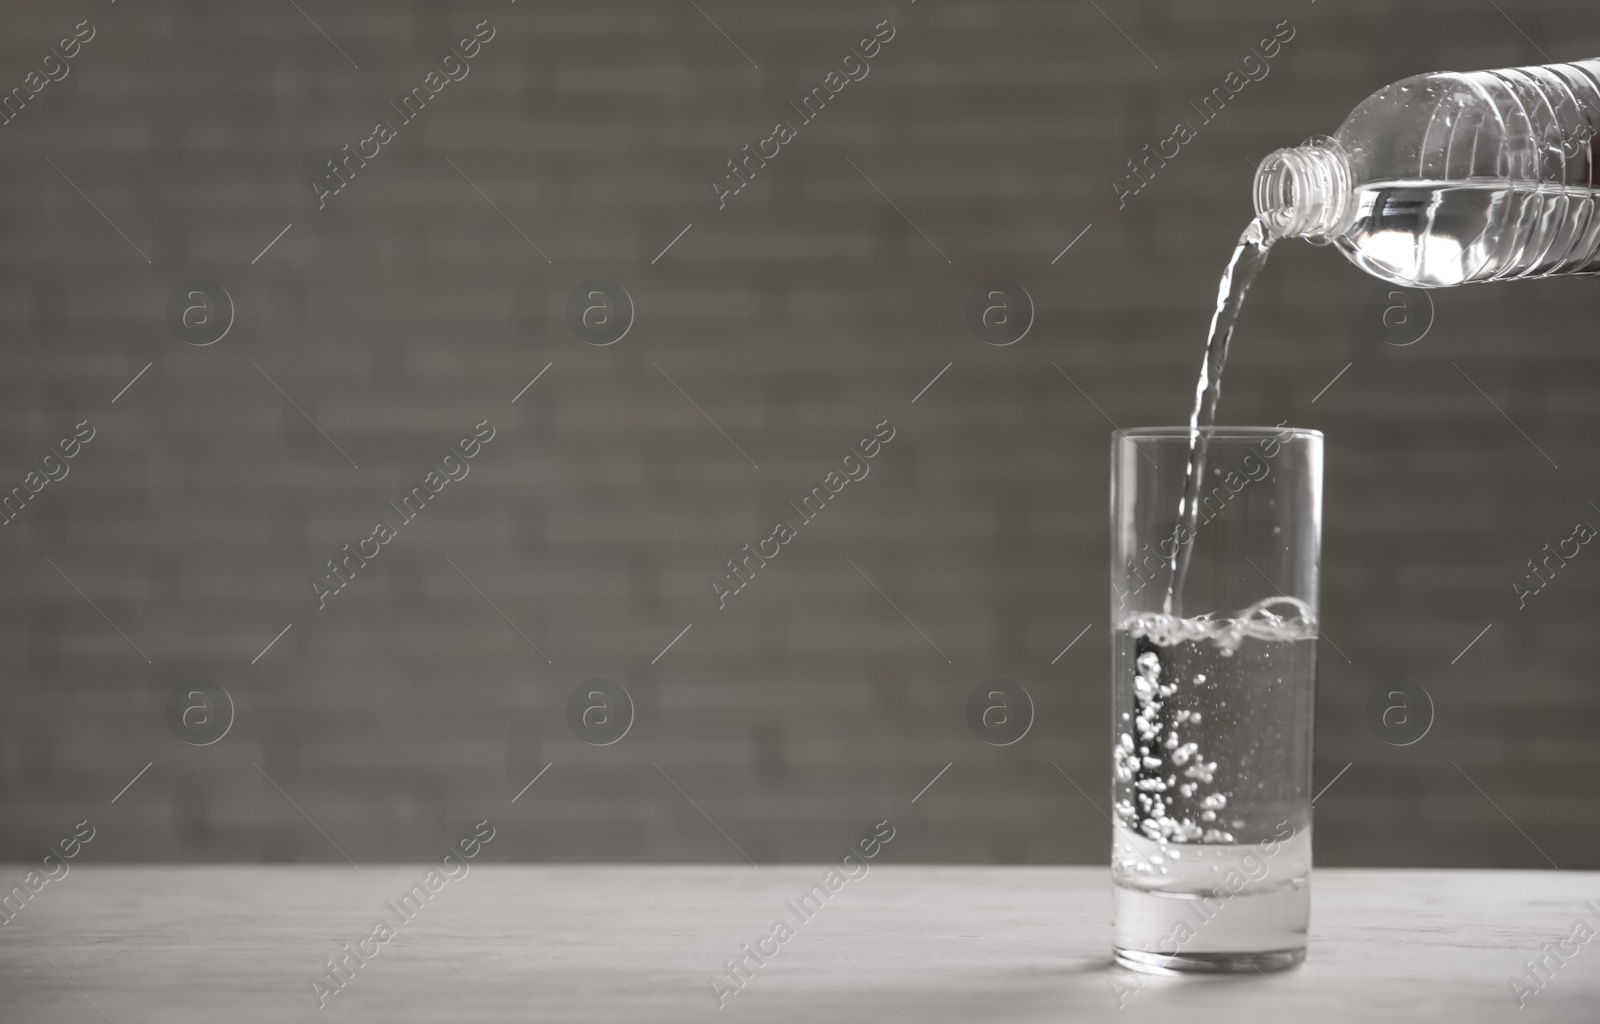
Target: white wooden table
538, 944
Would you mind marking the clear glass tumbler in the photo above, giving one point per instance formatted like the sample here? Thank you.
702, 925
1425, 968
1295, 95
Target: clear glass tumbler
1213, 685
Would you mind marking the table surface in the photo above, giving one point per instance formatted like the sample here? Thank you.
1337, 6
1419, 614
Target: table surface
527, 944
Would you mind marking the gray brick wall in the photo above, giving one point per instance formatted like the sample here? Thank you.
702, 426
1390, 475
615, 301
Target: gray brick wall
803, 313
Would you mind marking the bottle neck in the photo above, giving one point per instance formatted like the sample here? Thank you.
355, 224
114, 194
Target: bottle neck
1305, 192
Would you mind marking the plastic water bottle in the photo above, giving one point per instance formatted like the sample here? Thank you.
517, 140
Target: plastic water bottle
1448, 178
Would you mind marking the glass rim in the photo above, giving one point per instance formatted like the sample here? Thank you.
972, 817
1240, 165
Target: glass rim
1216, 433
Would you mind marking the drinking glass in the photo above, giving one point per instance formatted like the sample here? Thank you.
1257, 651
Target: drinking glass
1214, 627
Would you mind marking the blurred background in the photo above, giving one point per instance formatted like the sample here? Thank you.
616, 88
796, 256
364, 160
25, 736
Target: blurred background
770, 335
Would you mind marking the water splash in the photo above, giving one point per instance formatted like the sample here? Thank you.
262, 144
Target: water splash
1258, 621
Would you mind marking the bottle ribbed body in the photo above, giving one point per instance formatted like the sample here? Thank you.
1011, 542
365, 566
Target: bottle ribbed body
1560, 108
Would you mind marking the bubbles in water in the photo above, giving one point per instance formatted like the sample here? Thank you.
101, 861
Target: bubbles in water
1167, 788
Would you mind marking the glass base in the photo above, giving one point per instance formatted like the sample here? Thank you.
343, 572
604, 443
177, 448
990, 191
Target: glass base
1208, 963
1216, 932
